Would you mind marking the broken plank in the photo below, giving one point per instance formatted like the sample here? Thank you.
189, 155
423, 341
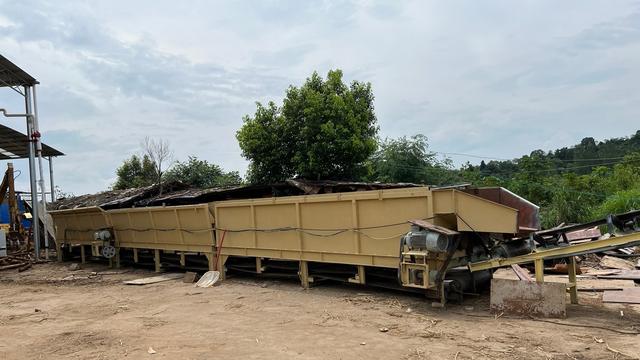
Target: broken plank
623, 274
521, 273
616, 263
591, 283
626, 296
155, 279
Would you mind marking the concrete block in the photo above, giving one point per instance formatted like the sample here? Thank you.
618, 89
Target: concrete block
528, 298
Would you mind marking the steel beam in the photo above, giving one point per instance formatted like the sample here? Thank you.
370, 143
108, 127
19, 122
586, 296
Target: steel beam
560, 252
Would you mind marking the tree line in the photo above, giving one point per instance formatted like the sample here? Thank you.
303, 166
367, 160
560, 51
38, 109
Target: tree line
326, 129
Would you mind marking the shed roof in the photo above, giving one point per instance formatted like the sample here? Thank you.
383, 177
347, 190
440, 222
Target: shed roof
12, 75
15, 145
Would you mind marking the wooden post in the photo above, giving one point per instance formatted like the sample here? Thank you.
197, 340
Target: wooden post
573, 290
211, 261
83, 257
223, 260
59, 250
135, 255
156, 257
183, 260
258, 265
117, 258
359, 278
303, 273
539, 265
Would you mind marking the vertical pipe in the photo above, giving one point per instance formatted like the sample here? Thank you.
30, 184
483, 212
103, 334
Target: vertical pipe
43, 189
53, 188
35, 222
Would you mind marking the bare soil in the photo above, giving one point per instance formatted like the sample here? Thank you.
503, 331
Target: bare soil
50, 312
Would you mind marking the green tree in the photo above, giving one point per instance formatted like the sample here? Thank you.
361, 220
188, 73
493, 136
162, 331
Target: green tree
409, 160
201, 174
135, 172
324, 130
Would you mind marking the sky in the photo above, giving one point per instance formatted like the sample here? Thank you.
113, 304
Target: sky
489, 78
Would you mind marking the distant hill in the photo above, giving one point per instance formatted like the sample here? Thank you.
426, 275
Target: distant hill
580, 158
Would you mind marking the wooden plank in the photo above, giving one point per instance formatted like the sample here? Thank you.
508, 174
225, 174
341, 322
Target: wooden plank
155, 279
616, 263
591, 283
626, 296
521, 273
622, 274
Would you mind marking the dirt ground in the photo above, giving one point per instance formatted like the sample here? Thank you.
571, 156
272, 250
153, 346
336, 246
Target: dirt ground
50, 312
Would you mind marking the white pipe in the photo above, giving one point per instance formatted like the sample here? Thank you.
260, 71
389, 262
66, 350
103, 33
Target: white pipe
53, 188
35, 221
38, 144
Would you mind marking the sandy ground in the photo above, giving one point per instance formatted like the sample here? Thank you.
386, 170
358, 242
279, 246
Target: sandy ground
89, 316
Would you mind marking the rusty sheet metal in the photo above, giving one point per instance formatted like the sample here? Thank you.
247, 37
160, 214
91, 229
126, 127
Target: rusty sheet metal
528, 298
177, 193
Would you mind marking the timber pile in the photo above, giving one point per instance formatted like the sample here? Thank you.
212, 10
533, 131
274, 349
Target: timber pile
21, 260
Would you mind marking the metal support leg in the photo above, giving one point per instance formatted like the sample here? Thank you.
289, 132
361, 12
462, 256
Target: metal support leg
135, 256
156, 258
539, 265
573, 281
83, 257
183, 260
59, 251
259, 265
117, 258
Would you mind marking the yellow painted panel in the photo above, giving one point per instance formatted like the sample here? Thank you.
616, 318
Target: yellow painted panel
333, 216
474, 213
180, 228
373, 214
76, 226
273, 217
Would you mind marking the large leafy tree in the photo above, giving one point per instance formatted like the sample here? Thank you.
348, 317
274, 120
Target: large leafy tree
201, 174
324, 130
409, 160
135, 172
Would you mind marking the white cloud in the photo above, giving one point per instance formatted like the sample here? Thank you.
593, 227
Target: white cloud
495, 78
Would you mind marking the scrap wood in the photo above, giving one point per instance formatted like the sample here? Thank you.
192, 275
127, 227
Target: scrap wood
154, 279
626, 296
12, 266
616, 263
521, 273
622, 274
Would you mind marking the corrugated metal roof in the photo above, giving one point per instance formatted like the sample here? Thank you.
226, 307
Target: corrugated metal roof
15, 145
12, 75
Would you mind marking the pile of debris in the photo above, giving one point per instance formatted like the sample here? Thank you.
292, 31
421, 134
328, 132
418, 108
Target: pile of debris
177, 193
21, 260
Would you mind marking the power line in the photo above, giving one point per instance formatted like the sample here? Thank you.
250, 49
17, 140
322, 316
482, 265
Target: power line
530, 171
504, 159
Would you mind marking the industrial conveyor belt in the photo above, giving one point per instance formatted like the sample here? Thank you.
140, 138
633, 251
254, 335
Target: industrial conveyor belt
568, 251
